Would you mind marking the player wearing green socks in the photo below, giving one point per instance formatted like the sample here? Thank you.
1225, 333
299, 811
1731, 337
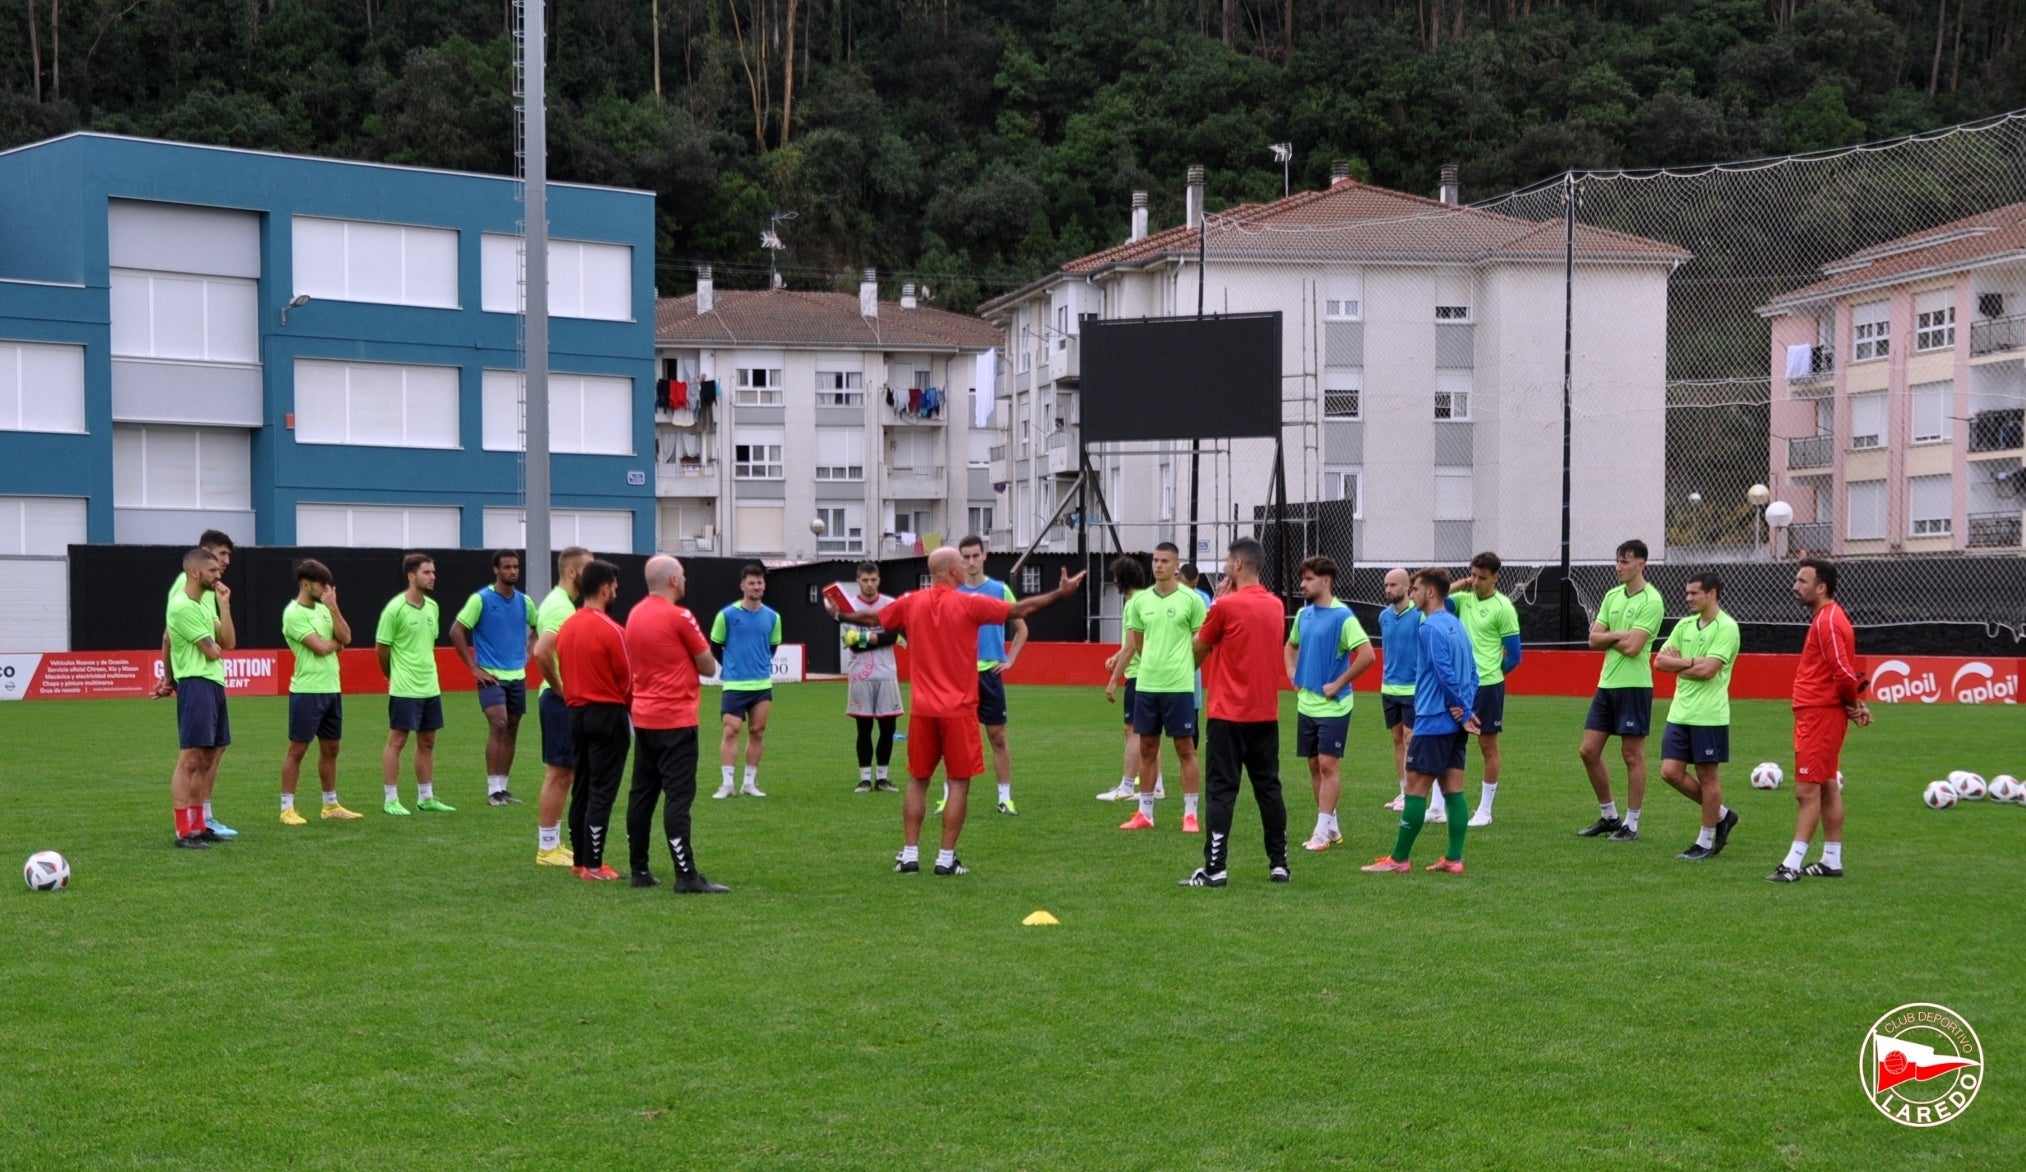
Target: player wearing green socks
1445, 689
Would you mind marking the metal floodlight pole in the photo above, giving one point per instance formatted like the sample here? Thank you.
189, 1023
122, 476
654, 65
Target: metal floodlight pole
535, 298
1196, 445
1568, 384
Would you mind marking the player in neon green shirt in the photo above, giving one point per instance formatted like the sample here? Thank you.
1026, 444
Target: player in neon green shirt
1699, 654
1326, 650
200, 632
1628, 620
559, 755
1492, 623
1129, 577
219, 546
1160, 629
315, 631
406, 642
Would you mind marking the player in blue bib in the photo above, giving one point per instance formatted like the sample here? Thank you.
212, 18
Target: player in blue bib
1399, 631
995, 657
493, 633
746, 632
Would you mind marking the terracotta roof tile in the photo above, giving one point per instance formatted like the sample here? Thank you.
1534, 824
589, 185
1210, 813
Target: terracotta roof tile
1984, 237
786, 317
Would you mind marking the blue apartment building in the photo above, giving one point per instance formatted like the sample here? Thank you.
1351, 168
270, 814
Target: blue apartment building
308, 351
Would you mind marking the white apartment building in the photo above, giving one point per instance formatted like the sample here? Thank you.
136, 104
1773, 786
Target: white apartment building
1422, 374
776, 409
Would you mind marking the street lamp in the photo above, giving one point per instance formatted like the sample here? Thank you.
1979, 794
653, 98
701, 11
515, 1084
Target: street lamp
1757, 496
1779, 515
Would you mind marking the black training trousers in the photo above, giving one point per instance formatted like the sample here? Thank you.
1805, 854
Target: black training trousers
1255, 747
664, 766
886, 727
598, 732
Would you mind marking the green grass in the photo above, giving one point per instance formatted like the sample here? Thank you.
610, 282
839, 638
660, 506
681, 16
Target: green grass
416, 993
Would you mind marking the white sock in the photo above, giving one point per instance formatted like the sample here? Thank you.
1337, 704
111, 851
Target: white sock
495, 783
1147, 804
882, 772
946, 791
1322, 825
728, 776
1632, 819
910, 854
1722, 812
1608, 810
288, 801
864, 773
1485, 795
548, 838
946, 858
1189, 803
1795, 854
1403, 788
1005, 791
330, 797
752, 777
1832, 854
425, 790
1706, 837
393, 792
1160, 781
1334, 828
207, 809
1129, 781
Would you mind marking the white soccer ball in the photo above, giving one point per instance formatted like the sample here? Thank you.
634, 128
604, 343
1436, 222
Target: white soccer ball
46, 871
2006, 788
1968, 786
1767, 775
1939, 795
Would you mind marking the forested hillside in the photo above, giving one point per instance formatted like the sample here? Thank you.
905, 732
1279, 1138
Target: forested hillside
976, 142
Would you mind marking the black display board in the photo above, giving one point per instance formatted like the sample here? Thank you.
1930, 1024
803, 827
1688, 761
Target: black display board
1166, 378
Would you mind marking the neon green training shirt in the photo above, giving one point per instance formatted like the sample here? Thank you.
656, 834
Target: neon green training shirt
1167, 624
1623, 612
315, 675
1705, 703
410, 633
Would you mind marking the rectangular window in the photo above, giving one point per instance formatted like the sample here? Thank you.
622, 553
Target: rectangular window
1865, 518
1344, 295
387, 264
757, 455
1452, 295
1453, 495
589, 414
840, 453
1929, 506
1030, 579
756, 387
604, 530
913, 450
1934, 320
1870, 325
758, 528
840, 388
1343, 483
40, 526
191, 319
1931, 403
1167, 491
1452, 394
41, 389
378, 526
980, 517
376, 404
843, 529
586, 279
1343, 393
182, 468
1867, 421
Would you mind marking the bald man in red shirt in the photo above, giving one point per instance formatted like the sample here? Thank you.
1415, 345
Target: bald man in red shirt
942, 631
1239, 648
591, 650
670, 656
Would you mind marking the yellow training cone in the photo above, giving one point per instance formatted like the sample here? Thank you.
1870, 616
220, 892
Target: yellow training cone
1040, 918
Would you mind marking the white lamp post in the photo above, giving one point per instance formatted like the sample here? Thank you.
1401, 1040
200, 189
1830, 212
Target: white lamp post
1779, 515
1757, 495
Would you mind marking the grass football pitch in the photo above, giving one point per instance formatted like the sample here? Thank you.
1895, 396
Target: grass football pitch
415, 992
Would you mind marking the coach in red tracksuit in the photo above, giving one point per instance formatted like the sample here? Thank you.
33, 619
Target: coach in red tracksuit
1828, 698
591, 650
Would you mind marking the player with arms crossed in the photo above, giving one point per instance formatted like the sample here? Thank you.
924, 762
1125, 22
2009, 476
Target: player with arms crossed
493, 633
1444, 720
872, 682
669, 656
1161, 622
591, 649
220, 547
748, 630
406, 642
1828, 698
942, 623
559, 755
200, 633
1327, 650
1399, 627
1628, 619
995, 658
1491, 622
1699, 653
315, 632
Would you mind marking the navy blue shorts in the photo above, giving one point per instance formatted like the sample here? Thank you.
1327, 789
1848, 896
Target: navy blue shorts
557, 748
200, 715
1435, 754
1697, 744
1170, 714
1399, 711
315, 716
512, 693
1132, 691
409, 714
1621, 712
1321, 736
741, 704
992, 698
1490, 708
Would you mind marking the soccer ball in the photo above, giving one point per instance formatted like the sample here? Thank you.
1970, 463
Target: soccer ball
2006, 788
1968, 786
46, 871
1767, 775
1939, 795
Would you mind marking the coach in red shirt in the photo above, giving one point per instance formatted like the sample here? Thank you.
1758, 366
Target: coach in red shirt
591, 650
942, 632
1828, 699
1239, 648
669, 655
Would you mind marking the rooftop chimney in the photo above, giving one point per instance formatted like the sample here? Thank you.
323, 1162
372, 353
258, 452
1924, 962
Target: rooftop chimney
907, 296
1139, 217
1340, 171
1193, 204
705, 293
868, 294
1452, 191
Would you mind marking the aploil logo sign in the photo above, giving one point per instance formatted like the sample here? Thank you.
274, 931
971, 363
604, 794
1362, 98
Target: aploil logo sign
1936, 680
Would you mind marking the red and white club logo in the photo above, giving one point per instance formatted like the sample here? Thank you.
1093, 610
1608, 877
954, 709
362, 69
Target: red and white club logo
1921, 1065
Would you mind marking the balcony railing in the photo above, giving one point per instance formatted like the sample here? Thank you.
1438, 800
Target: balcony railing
685, 479
1821, 366
997, 453
915, 472
1997, 335
1811, 451
1998, 431
1993, 530
1814, 536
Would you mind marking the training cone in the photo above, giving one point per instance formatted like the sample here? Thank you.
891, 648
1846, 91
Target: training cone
1039, 918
